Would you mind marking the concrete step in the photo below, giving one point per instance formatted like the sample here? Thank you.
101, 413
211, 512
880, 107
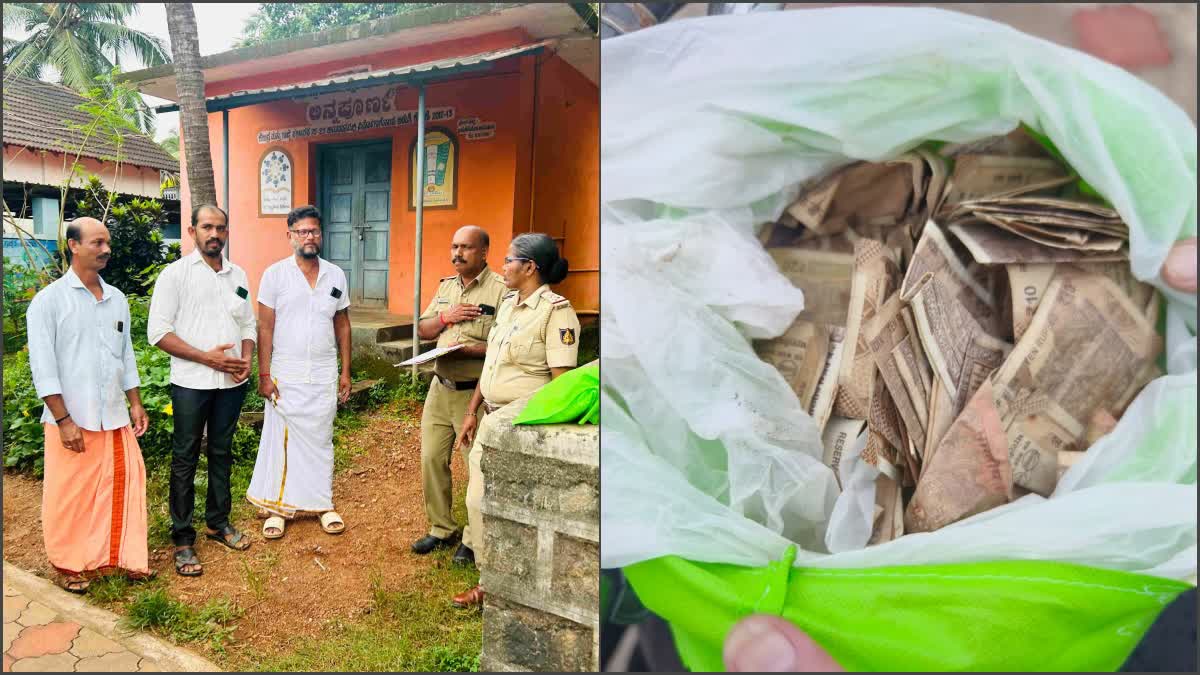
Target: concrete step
372, 326
396, 351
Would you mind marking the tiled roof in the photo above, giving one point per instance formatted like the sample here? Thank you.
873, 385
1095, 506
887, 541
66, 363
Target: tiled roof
34, 114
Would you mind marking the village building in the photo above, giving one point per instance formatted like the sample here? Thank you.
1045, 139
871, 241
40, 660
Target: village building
511, 144
45, 135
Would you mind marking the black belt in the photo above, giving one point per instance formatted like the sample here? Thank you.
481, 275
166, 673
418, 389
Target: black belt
456, 386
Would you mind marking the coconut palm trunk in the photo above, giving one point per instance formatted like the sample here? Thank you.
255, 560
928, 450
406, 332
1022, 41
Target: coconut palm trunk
193, 117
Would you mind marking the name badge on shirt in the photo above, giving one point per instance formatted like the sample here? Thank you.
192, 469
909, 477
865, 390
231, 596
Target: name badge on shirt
337, 292
242, 293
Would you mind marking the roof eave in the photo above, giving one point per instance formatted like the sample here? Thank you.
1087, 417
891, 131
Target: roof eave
444, 13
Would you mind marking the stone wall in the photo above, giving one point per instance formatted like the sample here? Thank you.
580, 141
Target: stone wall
541, 515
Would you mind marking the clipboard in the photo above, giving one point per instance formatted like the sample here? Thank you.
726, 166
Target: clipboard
429, 356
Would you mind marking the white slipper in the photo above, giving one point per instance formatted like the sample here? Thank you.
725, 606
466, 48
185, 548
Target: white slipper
274, 522
331, 518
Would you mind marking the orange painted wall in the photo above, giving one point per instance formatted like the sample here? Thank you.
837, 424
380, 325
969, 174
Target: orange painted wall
494, 183
566, 175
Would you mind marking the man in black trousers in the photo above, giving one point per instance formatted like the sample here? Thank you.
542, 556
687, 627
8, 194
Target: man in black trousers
201, 315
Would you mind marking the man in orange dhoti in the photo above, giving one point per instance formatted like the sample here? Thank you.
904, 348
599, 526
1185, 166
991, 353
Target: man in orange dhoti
83, 366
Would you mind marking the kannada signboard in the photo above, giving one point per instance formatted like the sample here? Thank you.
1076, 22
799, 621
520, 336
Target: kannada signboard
351, 111
475, 129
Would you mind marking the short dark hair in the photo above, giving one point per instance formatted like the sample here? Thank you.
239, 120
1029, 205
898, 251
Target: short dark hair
301, 212
543, 251
74, 231
209, 207
484, 239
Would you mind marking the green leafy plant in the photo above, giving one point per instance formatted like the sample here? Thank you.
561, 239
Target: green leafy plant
23, 435
282, 20
20, 285
137, 242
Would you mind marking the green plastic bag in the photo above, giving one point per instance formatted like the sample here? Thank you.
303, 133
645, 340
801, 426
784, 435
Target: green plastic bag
712, 472
1000, 616
573, 397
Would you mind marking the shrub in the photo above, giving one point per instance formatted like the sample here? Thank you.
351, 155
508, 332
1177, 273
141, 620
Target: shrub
20, 285
133, 225
22, 415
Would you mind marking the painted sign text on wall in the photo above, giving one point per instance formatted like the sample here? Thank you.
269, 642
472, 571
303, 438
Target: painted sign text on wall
396, 119
475, 129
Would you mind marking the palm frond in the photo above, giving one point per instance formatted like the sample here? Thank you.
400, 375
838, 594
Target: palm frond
116, 12
149, 49
27, 57
25, 15
76, 67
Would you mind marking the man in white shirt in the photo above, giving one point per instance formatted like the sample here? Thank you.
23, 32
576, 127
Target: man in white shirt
83, 366
200, 314
304, 323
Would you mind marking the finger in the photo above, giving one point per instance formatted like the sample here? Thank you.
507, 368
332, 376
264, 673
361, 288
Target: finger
772, 644
221, 348
1179, 270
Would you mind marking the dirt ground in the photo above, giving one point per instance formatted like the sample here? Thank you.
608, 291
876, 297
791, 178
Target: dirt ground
290, 588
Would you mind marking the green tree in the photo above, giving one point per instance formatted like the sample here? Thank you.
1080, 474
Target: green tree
81, 40
134, 226
279, 20
171, 143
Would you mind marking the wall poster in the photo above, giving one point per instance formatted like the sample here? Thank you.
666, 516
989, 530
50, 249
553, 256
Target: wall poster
275, 183
440, 182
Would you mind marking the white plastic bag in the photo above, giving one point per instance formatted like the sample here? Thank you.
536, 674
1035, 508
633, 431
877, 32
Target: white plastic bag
708, 127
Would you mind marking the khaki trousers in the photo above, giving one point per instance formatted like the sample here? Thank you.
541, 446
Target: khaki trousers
473, 533
441, 423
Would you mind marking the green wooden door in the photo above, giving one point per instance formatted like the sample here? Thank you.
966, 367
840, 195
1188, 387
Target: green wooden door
356, 203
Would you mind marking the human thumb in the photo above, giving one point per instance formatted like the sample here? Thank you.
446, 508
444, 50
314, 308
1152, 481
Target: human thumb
1179, 271
771, 644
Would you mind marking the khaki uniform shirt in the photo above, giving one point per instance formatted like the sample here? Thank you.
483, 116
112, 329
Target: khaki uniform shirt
528, 340
486, 289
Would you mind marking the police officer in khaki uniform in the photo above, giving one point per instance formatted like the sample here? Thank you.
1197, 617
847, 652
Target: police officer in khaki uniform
535, 339
462, 311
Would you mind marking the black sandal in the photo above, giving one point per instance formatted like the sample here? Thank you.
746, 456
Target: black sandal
75, 584
223, 537
185, 557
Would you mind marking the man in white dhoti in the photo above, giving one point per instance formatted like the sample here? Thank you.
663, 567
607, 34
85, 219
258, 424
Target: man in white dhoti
303, 324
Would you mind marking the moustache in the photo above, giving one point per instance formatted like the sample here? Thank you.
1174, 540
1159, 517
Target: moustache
457, 260
212, 241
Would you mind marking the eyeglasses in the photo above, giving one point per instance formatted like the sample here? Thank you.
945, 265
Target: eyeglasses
305, 234
509, 260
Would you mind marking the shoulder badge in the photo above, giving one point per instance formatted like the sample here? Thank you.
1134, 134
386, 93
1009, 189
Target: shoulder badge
554, 298
566, 336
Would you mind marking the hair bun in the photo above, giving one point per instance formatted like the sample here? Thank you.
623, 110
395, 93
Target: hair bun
559, 271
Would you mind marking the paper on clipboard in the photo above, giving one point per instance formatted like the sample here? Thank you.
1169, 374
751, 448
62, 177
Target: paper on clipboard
429, 356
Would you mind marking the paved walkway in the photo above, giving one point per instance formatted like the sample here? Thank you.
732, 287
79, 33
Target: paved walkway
47, 629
